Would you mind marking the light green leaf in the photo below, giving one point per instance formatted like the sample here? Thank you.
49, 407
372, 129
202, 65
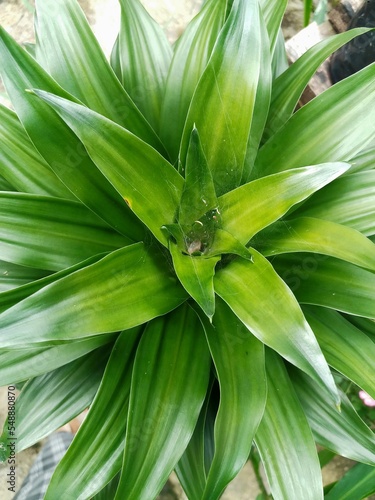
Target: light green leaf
356, 484
346, 105
346, 348
61, 394
169, 384
95, 300
198, 195
342, 432
307, 234
363, 161
273, 13
226, 91
10, 297
148, 183
254, 206
19, 365
191, 54
13, 275
50, 233
274, 317
58, 145
285, 441
349, 200
239, 361
144, 54
196, 276
328, 282
288, 88
97, 449
64, 35
21, 164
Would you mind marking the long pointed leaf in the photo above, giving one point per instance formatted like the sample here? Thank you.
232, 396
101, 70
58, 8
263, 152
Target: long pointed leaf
345, 104
62, 394
58, 145
144, 55
191, 54
148, 183
21, 164
95, 300
227, 91
57, 234
239, 361
345, 347
64, 35
349, 200
342, 432
329, 282
307, 234
285, 441
97, 449
169, 383
275, 318
287, 89
357, 483
253, 206
13, 276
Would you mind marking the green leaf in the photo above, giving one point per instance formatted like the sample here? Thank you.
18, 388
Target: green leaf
5, 185
63, 34
273, 13
346, 348
307, 234
97, 449
58, 145
274, 317
342, 432
356, 484
196, 276
95, 300
239, 361
9, 298
19, 365
21, 164
13, 275
198, 195
345, 105
169, 384
365, 160
191, 54
308, 5
285, 441
254, 206
50, 233
144, 54
226, 91
148, 183
289, 86
328, 282
349, 200
61, 394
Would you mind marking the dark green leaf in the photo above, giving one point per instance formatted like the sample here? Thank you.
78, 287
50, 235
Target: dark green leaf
144, 54
328, 282
147, 182
342, 432
51, 233
239, 361
63, 34
13, 276
97, 449
274, 316
191, 55
169, 384
284, 439
95, 300
358, 483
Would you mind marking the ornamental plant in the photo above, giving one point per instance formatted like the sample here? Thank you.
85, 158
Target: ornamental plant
185, 254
